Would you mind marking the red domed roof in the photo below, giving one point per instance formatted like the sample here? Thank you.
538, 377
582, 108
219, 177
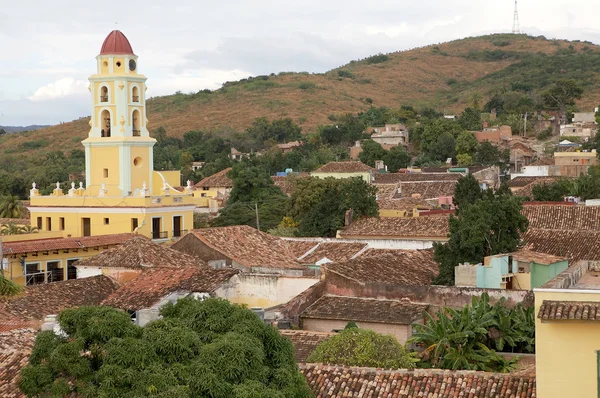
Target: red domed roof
116, 43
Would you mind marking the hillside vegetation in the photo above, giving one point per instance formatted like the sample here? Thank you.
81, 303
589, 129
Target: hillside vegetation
446, 77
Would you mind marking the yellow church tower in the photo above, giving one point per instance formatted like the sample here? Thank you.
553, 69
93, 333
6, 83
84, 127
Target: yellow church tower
122, 192
118, 150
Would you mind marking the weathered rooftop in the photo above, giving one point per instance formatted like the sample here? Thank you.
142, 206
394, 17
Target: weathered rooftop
402, 312
403, 204
153, 284
347, 382
43, 245
344, 167
435, 227
334, 251
563, 217
425, 189
569, 311
15, 348
536, 257
395, 178
248, 246
406, 267
219, 179
140, 252
305, 341
575, 245
50, 298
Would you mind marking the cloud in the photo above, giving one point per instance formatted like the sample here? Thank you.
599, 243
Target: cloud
194, 81
60, 88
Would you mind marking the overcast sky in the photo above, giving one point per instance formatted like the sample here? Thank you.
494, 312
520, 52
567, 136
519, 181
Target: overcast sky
48, 48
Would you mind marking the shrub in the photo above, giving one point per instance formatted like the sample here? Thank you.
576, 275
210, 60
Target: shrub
451, 82
345, 73
376, 59
306, 86
363, 347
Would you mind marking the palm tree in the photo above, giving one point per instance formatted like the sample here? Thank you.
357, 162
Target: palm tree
10, 228
28, 229
8, 287
11, 207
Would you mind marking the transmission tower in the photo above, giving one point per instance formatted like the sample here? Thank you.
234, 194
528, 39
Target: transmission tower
516, 29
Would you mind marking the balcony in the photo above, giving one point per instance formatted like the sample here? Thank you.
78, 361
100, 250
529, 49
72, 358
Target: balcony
137, 133
135, 98
104, 98
160, 235
179, 233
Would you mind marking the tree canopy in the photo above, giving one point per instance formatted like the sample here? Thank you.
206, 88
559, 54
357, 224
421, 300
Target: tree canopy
362, 347
491, 225
199, 349
319, 205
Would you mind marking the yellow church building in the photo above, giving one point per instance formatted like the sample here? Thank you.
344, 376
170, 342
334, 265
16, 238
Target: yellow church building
123, 194
122, 191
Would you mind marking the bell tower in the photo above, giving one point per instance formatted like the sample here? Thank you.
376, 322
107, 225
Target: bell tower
118, 149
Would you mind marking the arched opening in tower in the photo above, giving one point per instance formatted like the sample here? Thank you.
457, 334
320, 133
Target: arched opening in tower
104, 94
136, 123
105, 123
135, 94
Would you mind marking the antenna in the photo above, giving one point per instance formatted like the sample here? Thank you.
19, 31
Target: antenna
516, 29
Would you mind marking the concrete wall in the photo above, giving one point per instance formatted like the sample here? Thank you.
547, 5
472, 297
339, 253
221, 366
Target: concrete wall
366, 176
400, 332
465, 275
264, 290
540, 273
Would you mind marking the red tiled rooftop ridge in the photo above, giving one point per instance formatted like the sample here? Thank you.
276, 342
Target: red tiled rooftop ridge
399, 227
350, 166
116, 43
219, 179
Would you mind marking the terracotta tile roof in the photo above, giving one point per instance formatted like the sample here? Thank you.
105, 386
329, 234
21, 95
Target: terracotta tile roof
401, 312
51, 298
334, 251
403, 204
423, 257
563, 217
41, 245
298, 248
347, 382
286, 183
385, 191
153, 284
425, 189
399, 228
536, 257
349, 166
574, 244
569, 311
248, 246
6, 326
17, 221
305, 341
140, 252
395, 178
219, 179
522, 181
543, 162
15, 348
407, 267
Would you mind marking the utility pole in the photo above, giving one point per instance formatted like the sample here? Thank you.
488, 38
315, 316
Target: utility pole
516, 28
256, 210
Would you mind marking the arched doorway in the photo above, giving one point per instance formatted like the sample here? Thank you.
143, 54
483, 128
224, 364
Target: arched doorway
135, 94
105, 123
136, 123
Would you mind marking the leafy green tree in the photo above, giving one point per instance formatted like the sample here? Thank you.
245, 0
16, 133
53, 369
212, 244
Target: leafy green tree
553, 192
371, 152
561, 95
319, 205
362, 347
278, 131
466, 192
487, 154
464, 159
432, 131
443, 148
205, 348
252, 188
588, 186
470, 119
8, 288
466, 143
11, 207
490, 226
397, 158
